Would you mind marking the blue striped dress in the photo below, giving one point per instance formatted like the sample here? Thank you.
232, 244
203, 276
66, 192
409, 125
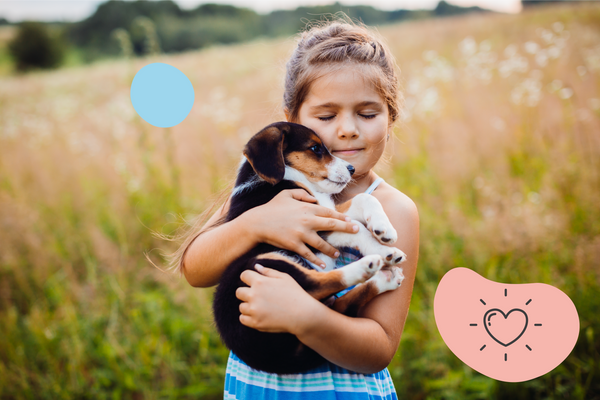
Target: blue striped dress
326, 382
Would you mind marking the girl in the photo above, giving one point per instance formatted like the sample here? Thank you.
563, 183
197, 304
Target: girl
341, 83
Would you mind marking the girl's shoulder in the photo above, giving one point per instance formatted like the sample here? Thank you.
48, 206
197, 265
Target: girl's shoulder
395, 203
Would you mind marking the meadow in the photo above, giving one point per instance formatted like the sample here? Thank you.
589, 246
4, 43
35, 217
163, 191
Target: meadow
498, 145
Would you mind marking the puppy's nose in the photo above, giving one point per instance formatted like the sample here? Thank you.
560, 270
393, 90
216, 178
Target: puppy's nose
350, 169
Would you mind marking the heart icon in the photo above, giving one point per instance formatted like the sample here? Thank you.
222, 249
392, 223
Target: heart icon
528, 328
504, 329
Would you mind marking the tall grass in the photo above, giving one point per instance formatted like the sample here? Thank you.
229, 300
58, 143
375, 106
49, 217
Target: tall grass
498, 146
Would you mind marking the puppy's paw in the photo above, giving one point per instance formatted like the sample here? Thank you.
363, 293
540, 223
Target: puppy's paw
382, 229
393, 256
362, 270
388, 279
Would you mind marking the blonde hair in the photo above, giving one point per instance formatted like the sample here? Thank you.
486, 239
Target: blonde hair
330, 45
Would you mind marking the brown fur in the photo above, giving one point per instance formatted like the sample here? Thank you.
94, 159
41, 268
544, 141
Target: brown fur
326, 283
345, 206
357, 297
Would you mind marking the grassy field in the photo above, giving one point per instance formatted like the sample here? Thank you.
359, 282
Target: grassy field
498, 145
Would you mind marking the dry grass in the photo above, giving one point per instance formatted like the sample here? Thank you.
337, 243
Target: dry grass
502, 159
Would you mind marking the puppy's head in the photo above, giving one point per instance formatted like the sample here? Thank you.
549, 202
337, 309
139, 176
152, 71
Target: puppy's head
287, 147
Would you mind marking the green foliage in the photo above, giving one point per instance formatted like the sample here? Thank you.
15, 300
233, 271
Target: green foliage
528, 3
208, 24
443, 9
35, 47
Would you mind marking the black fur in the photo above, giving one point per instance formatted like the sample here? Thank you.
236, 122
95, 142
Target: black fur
279, 353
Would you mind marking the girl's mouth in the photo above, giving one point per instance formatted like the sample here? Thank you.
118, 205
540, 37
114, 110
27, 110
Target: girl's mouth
347, 152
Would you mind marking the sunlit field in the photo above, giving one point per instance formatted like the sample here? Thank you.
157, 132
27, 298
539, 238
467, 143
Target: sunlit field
498, 145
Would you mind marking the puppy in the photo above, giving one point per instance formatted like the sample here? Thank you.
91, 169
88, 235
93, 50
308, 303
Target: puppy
288, 156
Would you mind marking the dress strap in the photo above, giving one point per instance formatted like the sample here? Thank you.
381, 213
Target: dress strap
374, 185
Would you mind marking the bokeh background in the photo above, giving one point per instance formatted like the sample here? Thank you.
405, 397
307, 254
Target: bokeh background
498, 144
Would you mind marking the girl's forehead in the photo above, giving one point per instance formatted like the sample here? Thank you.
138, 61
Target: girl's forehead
345, 83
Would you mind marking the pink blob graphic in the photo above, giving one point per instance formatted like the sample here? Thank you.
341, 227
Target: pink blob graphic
509, 332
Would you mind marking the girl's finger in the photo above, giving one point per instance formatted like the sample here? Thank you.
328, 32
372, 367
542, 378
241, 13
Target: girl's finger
318, 243
329, 213
249, 276
273, 273
302, 195
246, 320
305, 252
330, 224
243, 293
245, 308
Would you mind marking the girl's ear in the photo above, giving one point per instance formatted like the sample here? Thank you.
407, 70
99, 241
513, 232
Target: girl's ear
264, 152
287, 114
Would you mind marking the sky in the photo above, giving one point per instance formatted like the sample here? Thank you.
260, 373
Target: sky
75, 10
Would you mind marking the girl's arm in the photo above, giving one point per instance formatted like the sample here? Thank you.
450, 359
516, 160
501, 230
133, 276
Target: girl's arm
365, 344
289, 221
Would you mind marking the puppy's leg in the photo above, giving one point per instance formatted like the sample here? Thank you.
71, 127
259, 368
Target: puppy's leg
368, 210
364, 242
383, 281
321, 285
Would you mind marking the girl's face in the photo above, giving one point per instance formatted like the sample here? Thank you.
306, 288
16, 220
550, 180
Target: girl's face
350, 117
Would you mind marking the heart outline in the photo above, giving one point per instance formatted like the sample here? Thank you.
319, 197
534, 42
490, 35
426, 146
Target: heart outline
505, 317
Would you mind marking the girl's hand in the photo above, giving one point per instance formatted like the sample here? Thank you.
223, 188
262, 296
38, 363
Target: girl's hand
274, 302
291, 221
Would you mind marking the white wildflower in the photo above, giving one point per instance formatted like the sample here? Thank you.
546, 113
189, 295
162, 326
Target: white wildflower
498, 124
413, 86
555, 85
547, 36
516, 95
553, 52
429, 55
583, 114
558, 27
478, 182
510, 50
133, 185
485, 46
531, 47
468, 46
488, 212
533, 197
560, 42
429, 102
565, 93
541, 58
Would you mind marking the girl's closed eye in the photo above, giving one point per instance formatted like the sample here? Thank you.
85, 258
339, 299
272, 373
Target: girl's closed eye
326, 118
368, 116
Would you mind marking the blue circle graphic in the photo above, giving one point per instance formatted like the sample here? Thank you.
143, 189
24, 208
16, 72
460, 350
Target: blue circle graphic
162, 95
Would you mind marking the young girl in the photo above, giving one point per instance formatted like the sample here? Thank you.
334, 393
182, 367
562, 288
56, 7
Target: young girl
341, 83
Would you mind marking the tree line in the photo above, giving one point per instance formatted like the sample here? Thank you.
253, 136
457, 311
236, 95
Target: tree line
134, 28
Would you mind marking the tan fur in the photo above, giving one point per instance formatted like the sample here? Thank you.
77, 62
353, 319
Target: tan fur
358, 297
327, 283
344, 206
307, 163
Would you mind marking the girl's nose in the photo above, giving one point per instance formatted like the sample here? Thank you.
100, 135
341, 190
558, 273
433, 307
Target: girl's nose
348, 128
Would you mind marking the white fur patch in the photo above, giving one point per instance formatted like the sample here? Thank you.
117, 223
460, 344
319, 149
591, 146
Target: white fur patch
246, 185
361, 270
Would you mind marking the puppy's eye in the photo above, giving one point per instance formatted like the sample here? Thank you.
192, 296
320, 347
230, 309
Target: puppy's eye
318, 150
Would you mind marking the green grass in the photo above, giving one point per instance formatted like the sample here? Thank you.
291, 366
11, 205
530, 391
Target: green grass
84, 182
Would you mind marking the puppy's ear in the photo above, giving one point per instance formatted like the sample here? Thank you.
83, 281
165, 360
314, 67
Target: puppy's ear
265, 153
